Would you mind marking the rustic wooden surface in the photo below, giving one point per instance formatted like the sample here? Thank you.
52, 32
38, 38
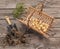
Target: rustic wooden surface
52, 7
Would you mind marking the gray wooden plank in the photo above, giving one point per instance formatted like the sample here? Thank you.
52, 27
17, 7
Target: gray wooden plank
54, 32
2, 17
53, 3
51, 12
6, 11
12, 3
56, 23
3, 26
54, 40
55, 12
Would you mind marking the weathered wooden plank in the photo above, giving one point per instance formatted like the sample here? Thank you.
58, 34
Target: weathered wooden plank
54, 32
55, 12
2, 17
3, 26
51, 12
54, 42
12, 3
53, 3
6, 11
49, 3
56, 23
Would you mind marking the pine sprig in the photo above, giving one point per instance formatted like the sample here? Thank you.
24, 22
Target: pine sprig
19, 10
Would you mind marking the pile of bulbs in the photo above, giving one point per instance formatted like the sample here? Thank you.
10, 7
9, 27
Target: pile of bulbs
40, 25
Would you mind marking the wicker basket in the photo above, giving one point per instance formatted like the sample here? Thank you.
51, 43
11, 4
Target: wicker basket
39, 21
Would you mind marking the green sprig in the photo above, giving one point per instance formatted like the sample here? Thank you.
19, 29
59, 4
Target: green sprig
19, 10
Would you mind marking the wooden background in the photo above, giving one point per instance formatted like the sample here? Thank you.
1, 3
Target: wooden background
52, 7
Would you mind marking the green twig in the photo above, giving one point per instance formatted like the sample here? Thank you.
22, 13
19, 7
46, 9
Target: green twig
19, 10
